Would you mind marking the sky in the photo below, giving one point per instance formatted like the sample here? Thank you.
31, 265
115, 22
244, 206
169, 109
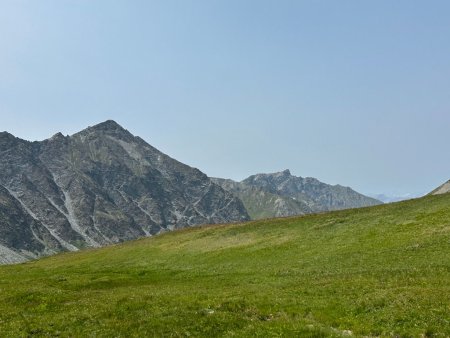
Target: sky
350, 92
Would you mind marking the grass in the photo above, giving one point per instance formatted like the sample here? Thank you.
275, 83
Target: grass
379, 271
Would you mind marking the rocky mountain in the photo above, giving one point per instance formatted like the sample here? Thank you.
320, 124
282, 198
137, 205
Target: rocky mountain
443, 189
282, 194
260, 203
99, 186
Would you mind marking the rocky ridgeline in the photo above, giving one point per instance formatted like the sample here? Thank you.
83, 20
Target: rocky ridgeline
282, 194
100, 186
442, 189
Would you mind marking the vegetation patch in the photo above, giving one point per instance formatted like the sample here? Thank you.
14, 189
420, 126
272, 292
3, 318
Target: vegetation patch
379, 271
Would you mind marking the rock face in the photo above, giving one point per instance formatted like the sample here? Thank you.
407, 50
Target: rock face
100, 186
443, 189
261, 203
282, 194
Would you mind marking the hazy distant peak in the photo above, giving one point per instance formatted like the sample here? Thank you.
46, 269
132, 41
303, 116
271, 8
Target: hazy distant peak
285, 172
387, 198
269, 177
283, 194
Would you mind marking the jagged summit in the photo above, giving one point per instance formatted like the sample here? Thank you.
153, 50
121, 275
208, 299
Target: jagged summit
283, 194
283, 173
99, 186
9, 141
57, 136
286, 172
108, 126
4, 135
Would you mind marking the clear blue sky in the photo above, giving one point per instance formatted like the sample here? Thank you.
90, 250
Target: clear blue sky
351, 92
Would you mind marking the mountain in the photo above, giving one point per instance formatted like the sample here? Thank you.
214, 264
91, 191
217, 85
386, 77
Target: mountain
382, 271
99, 186
443, 189
282, 194
261, 203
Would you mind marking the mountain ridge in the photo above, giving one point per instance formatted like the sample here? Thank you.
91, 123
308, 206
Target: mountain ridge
283, 194
99, 186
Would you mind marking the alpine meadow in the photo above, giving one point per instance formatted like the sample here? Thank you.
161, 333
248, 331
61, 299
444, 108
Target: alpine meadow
376, 271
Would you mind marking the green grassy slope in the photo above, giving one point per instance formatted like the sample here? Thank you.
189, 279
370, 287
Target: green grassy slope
379, 271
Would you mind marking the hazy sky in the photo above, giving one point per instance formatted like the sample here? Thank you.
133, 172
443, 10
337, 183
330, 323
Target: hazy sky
351, 92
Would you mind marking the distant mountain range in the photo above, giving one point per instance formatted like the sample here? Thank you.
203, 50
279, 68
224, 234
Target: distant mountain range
385, 198
282, 194
99, 186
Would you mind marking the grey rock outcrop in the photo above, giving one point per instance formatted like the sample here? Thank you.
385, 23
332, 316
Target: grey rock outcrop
99, 186
282, 194
442, 189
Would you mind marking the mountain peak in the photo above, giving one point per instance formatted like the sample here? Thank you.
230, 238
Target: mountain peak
318, 196
107, 125
57, 136
280, 174
6, 135
7, 139
96, 187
